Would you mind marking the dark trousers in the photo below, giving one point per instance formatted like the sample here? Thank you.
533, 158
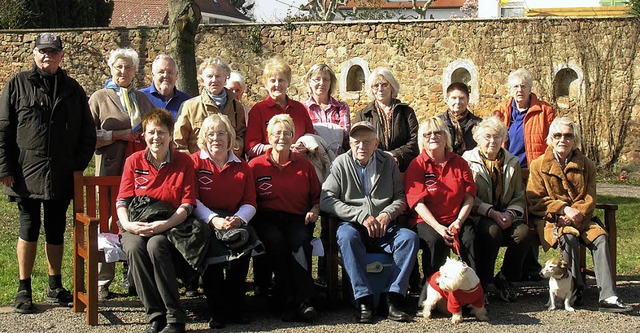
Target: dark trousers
55, 218
151, 264
490, 236
287, 241
435, 252
226, 296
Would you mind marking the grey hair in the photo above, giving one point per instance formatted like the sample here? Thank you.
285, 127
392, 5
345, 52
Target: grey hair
486, 124
388, 76
555, 128
160, 57
235, 76
130, 54
520, 74
215, 63
434, 124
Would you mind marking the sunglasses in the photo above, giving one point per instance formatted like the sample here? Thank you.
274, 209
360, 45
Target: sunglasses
567, 136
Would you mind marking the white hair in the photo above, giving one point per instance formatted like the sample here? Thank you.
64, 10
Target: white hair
130, 54
235, 76
520, 74
160, 57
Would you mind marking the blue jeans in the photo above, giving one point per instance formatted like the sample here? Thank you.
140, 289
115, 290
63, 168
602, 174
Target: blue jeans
354, 242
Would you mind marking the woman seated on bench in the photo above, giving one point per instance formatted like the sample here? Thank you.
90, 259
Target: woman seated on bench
227, 201
561, 192
498, 208
165, 174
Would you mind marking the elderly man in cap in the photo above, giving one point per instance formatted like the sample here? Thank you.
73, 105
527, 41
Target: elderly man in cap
163, 92
366, 192
46, 133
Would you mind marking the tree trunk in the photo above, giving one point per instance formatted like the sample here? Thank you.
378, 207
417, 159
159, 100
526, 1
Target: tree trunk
184, 18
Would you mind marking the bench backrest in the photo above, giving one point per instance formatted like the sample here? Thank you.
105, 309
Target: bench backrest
96, 196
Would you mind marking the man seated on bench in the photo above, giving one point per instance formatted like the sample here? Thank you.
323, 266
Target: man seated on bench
365, 190
562, 195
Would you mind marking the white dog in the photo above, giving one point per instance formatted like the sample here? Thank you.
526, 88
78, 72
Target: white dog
560, 283
453, 287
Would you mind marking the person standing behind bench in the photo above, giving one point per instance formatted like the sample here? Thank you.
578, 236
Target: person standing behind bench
117, 111
527, 119
46, 133
365, 191
163, 92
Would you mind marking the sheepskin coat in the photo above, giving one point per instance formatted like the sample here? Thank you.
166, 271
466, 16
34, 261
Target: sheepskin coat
550, 189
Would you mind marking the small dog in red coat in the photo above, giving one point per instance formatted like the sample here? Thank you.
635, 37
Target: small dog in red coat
452, 287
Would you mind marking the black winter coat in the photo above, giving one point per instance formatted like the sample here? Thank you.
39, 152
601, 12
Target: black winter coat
403, 142
44, 140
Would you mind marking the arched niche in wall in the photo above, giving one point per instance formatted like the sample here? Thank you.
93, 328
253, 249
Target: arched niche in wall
567, 85
353, 75
461, 70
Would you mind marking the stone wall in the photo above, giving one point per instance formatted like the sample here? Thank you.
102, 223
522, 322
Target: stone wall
586, 67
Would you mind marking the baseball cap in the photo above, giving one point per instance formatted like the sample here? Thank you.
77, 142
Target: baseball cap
48, 41
361, 125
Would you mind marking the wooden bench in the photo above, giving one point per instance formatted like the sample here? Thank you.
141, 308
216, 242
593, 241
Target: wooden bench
94, 202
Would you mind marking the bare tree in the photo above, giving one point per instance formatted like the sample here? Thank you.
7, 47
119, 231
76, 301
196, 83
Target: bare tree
184, 18
421, 10
325, 10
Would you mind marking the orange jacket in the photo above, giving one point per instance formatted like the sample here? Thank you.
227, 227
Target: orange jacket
536, 124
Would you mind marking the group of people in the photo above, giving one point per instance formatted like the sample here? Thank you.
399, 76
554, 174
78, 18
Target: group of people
206, 181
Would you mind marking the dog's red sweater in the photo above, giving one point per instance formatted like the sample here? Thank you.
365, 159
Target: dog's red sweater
458, 298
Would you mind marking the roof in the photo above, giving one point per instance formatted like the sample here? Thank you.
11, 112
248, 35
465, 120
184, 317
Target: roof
138, 12
155, 12
391, 4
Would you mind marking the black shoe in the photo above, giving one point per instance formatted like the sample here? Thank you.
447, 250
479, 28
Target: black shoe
173, 328
23, 303
365, 315
156, 326
579, 298
306, 312
505, 289
395, 314
216, 323
617, 307
60, 296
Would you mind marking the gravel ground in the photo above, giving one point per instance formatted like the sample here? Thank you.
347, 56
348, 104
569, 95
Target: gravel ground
525, 315
528, 314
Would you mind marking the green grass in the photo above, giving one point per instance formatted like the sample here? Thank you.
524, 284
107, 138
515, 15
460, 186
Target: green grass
628, 263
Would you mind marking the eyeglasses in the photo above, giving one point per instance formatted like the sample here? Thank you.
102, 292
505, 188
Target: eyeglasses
488, 137
285, 134
213, 135
365, 143
567, 136
48, 51
380, 86
435, 133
